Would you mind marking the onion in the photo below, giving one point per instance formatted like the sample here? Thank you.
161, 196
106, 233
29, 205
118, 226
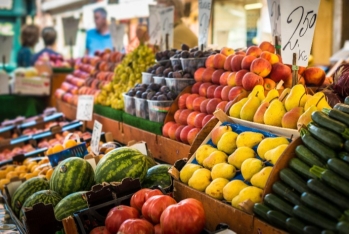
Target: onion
341, 80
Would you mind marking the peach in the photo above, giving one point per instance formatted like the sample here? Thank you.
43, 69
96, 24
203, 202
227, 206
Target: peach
209, 61
212, 105
203, 106
219, 60
254, 50
190, 99
183, 116
279, 72
272, 58
178, 132
314, 76
172, 131
301, 80
197, 102
225, 93
176, 115
267, 46
328, 81
198, 119
300, 70
216, 76
227, 63
203, 89
261, 67
237, 91
192, 135
211, 91
195, 88
224, 78
241, 52
231, 79
247, 61
269, 84
222, 105
235, 62
218, 92
207, 74
184, 134
238, 77
227, 51
288, 82
166, 127
182, 100
191, 118
198, 74
250, 80
206, 119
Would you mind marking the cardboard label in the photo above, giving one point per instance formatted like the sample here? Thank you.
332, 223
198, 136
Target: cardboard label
204, 21
166, 17
96, 136
85, 107
154, 25
275, 19
6, 45
32, 86
141, 146
70, 28
298, 21
4, 85
117, 32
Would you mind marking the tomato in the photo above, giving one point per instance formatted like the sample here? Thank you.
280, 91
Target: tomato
138, 199
139, 226
186, 217
157, 229
153, 193
100, 230
154, 206
118, 215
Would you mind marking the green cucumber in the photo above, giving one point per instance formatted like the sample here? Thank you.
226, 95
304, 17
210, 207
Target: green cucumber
337, 115
342, 107
343, 227
327, 192
344, 156
339, 166
313, 217
311, 230
293, 180
325, 136
346, 100
261, 210
278, 203
319, 149
346, 145
286, 192
320, 204
304, 154
325, 121
300, 168
277, 218
327, 232
295, 226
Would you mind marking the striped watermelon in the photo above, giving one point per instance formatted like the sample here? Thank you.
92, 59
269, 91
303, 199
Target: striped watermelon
25, 190
121, 163
43, 196
158, 175
72, 175
70, 204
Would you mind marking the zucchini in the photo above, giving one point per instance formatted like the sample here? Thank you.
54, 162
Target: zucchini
311, 230
339, 166
328, 232
278, 203
346, 100
312, 217
261, 210
320, 204
286, 192
343, 227
300, 168
337, 115
295, 226
344, 156
277, 218
304, 154
325, 136
325, 121
346, 145
327, 192
319, 149
342, 107
332, 179
293, 180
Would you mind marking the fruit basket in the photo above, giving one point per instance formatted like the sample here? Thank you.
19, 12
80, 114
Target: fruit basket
142, 110
79, 150
129, 107
193, 63
158, 110
177, 85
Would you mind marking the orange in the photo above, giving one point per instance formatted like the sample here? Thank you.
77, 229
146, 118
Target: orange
31, 164
43, 160
33, 168
49, 173
29, 176
21, 176
3, 174
11, 174
3, 182
70, 143
49, 151
10, 168
57, 148
21, 168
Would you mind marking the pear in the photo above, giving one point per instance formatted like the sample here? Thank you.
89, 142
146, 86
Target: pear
260, 179
249, 139
259, 115
240, 155
227, 143
270, 143
215, 188
187, 171
251, 193
304, 100
217, 133
284, 95
272, 95
273, 115
290, 119
200, 179
235, 109
232, 189
203, 152
318, 100
250, 167
215, 158
223, 170
257, 91
295, 97
305, 118
249, 108
273, 155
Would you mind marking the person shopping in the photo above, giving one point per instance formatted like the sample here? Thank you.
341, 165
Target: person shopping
29, 37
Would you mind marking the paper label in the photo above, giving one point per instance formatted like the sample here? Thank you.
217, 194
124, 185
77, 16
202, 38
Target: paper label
204, 21
5, 47
4, 85
85, 107
298, 21
167, 16
154, 25
31, 86
70, 28
275, 19
92, 162
117, 32
141, 146
96, 136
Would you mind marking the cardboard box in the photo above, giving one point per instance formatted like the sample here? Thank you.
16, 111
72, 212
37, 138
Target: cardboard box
40, 86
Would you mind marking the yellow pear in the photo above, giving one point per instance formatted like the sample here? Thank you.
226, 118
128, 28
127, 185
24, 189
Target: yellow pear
273, 115
249, 139
260, 179
251, 193
232, 189
227, 143
304, 100
271, 96
319, 100
250, 167
305, 118
257, 91
203, 152
200, 179
235, 202
249, 108
187, 171
218, 132
223, 170
273, 155
215, 188
284, 95
270, 143
215, 158
240, 155
235, 109
295, 97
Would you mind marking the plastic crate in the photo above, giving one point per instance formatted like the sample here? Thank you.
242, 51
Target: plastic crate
158, 110
129, 104
76, 151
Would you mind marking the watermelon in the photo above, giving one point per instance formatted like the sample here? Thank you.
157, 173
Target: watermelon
121, 163
25, 190
70, 204
72, 175
43, 196
158, 175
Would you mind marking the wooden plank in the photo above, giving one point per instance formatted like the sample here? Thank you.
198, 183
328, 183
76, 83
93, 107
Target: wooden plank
109, 125
67, 109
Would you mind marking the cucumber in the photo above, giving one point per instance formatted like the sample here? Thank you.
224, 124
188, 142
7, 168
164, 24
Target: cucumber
325, 136
332, 179
346, 100
319, 149
344, 156
277, 218
320, 204
342, 107
337, 115
325, 121
300, 168
286, 192
304, 154
311, 230
327, 232
339, 166
278, 203
261, 210
295, 226
293, 180
346, 145
312, 217
343, 227
327, 192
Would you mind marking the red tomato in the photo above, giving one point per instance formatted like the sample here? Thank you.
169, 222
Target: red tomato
118, 215
154, 206
100, 230
139, 226
186, 217
153, 193
157, 229
138, 199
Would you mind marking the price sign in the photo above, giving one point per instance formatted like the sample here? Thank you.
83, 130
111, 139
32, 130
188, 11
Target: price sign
298, 20
166, 17
154, 25
96, 135
275, 19
70, 28
5, 47
204, 21
85, 107
117, 32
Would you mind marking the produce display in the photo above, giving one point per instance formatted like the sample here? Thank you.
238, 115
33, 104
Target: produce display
55, 61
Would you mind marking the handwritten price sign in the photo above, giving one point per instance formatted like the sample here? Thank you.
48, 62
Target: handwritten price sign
85, 107
96, 136
275, 19
5, 47
204, 21
154, 25
298, 20
166, 17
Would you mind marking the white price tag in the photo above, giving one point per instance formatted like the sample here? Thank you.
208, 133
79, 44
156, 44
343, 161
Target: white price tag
85, 107
154, 25
204, 21
298, 21
275, 19
167, 16
70, 28
117, 32
5, 47
96, 136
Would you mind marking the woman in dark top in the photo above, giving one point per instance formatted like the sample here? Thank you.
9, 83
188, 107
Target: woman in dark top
49, 36
29, 37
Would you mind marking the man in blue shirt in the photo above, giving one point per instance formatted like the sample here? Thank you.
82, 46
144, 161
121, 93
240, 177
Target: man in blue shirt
98, 39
